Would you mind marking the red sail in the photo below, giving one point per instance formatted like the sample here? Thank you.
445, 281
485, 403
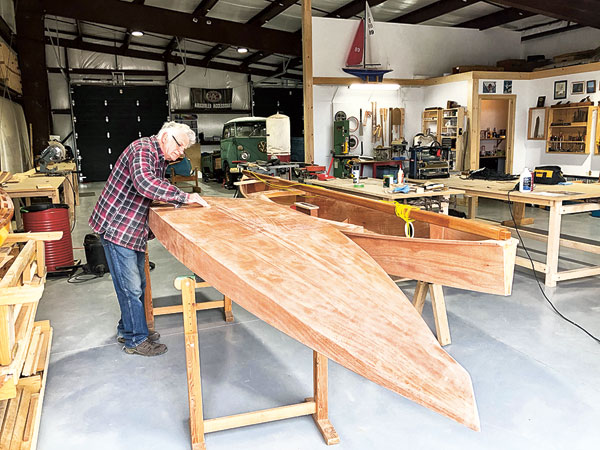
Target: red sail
355, 56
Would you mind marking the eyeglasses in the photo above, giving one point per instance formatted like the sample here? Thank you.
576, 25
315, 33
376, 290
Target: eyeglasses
177, 142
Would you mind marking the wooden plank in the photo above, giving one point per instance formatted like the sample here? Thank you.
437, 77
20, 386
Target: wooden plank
25, 237
33, 383
577, 273
579, 207
3, 407
262, 416
40, 248
38, 412
192, 358
9, 420
41, 363
30, 358
8, 388
553, 245
307, 83
524, 262
14, 273
174, 309
440, 316
17, 437
7, 334
21, 294
419, 296
29, 426
227, 309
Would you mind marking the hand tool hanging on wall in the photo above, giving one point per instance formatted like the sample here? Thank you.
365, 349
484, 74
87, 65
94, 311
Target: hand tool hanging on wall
360, 124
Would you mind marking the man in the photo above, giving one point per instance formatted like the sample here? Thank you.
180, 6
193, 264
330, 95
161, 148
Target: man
121, 219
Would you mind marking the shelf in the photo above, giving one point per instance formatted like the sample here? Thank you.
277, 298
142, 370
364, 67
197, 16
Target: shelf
492, 157
573, 124
569, 142
492, 139
567, 153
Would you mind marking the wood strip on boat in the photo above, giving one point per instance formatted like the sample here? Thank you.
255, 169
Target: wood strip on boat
456, 223
444, 256
311, 282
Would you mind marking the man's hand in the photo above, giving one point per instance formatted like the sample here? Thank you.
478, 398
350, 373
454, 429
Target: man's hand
195, 198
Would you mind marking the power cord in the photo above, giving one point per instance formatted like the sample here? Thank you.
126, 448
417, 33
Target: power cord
535, 274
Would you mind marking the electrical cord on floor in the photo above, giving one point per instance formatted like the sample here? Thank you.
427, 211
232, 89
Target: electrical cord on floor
536, 277
77, 278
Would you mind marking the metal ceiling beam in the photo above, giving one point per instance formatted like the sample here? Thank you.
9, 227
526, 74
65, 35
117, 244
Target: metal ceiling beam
127, 39
551, 32
583, 12
433, 10
164, 21
204, 7
495, 19
352, 9
274, 9
160, 57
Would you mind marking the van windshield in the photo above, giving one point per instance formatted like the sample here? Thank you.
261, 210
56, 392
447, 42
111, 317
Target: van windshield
251, 129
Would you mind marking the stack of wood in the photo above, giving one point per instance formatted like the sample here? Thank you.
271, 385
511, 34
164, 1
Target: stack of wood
10, 74
24, 344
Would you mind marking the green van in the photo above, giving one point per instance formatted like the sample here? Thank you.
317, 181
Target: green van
244, 139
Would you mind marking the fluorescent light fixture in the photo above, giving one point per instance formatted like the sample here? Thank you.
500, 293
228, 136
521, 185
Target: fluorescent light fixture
242, 50
137, 33
374, 86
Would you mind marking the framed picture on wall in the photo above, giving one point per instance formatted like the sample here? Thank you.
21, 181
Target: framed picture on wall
577, 87
489, 87
538, 124
560, 90
508, 86
541, 101
590, 87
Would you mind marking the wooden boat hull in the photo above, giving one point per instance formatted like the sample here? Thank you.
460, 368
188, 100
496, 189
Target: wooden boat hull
308, 280
447, 250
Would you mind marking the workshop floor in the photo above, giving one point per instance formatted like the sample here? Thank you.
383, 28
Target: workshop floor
535, 376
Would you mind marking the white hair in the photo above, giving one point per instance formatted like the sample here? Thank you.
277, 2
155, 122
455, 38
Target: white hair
171, 127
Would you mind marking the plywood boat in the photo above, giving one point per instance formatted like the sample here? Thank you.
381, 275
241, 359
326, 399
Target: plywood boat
310, 281
448, 251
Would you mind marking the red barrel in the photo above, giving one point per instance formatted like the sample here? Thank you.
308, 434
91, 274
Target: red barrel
51, 217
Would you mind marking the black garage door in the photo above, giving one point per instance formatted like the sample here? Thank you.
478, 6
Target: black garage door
108, 119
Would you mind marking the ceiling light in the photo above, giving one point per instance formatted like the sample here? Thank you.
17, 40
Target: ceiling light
242, 50
137, 33
374, 86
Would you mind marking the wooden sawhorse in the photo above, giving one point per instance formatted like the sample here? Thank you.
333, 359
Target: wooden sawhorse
438, 305
317, 405
151, 311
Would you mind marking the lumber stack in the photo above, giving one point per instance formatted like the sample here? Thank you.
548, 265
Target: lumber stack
10, 74
24, 344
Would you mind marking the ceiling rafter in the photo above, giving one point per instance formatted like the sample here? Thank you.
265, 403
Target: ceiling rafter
200, 11
432, 11
583, 12
262, 17
73, 43
164, 21
143, 45
352, 9
495, 19
551, 32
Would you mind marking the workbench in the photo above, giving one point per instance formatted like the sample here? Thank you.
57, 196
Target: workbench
36, 185
580, 198
375, 164
373, 188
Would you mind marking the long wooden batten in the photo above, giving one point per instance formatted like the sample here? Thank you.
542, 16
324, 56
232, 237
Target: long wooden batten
307, 279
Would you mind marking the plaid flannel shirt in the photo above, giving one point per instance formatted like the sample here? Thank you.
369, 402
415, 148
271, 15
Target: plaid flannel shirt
138, 177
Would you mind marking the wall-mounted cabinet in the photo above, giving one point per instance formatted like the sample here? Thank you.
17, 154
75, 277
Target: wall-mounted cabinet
432, 120
538, 124
569, 129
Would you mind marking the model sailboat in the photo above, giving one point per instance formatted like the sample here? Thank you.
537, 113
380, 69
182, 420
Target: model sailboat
362, 59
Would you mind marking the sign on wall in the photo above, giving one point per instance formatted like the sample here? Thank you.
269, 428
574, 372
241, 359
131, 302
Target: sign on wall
211, 99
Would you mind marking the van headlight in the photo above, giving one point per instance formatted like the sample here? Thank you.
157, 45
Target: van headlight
244, 155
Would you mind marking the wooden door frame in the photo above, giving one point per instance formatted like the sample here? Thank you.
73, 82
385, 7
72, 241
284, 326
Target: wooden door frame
510, 129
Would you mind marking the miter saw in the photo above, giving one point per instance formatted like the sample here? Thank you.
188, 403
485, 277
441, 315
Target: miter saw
54, 153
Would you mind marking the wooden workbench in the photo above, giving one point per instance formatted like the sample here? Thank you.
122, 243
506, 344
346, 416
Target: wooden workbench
373, 188
586, 197
30, 184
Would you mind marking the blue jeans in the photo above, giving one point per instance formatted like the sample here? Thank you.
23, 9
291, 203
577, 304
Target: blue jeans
128, 276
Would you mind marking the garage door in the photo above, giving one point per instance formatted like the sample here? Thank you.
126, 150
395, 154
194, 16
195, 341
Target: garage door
108, 119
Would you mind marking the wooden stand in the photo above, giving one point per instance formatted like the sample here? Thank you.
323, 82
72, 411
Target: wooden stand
439, 308
317, 405
151, 311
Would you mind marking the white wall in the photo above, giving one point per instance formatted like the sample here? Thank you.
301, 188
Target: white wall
412, 50
558, 44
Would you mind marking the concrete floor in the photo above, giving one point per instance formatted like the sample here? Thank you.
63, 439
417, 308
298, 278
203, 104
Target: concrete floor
535, 376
